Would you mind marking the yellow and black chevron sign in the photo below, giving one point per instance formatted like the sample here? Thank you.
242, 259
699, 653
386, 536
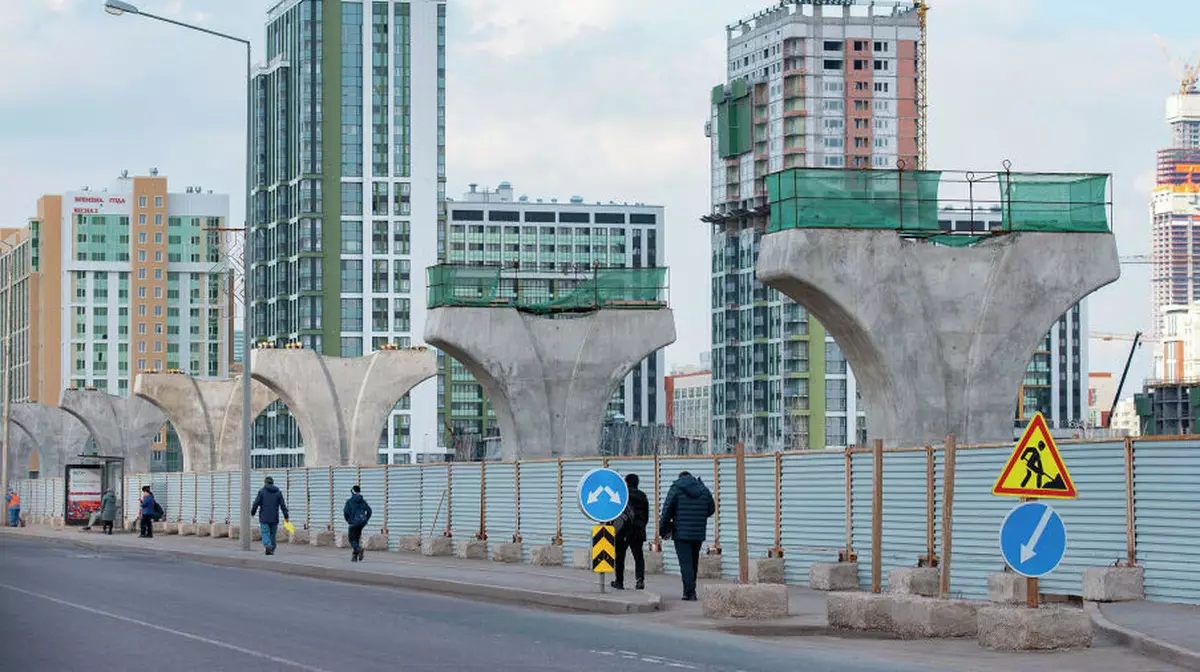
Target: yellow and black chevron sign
604, 548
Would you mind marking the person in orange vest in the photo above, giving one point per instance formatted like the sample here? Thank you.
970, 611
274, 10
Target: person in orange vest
14, 508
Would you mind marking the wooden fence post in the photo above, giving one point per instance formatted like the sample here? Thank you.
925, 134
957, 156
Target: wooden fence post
947, 514
739, 457
1130, 511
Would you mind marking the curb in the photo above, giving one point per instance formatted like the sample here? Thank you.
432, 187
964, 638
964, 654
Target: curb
462, 589
1142, 643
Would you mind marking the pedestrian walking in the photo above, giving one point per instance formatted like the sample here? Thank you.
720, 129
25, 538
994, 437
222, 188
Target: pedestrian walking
149, 508
13, 503
684, 518
631, 534
108, 510
268, 504
357, 514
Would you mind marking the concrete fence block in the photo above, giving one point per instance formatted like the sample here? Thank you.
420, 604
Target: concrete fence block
300, 536
918, 617
833, 576
437, 547
654, 562
767, 570
376, 542
187, 529
710, 566
321, 538
508, 552
1114, 584
471, 549
581, 558
1006, 588
203, 529
341, 540
924, 581
410, 544
853, 610
1005, 628
751, 601
550, 555
218, 530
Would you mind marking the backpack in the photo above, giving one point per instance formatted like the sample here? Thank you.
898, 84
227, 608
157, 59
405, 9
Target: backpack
159, 514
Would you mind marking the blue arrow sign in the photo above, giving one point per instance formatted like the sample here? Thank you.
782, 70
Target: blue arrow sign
1033, 539
602, 495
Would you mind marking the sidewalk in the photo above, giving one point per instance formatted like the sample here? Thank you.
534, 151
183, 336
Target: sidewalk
1167, 632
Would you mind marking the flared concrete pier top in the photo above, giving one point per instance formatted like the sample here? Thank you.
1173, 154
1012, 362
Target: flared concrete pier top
121, 426
56, 435
938, 337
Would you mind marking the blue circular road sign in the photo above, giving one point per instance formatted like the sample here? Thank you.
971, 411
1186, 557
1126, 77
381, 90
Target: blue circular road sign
1033, 539
602, 495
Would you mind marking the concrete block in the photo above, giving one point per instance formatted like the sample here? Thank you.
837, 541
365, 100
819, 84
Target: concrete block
471, 549
320, 537
710, 567
550, 555
203, 529
1006, 588
58, 522
410, 544
167, 528
917, 617
767, 570
654, 562
235, 532
1114, 584
581, 558
1043, 629
833, 576
751, 601
853, 610
187, 529
924, 581
341, 540
437, 547
301, 536
218, 530
508, 552
376, 542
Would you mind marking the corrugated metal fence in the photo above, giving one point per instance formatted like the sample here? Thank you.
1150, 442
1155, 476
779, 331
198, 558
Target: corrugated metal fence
1137, 503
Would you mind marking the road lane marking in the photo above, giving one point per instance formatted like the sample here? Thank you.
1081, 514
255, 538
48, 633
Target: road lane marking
180, 633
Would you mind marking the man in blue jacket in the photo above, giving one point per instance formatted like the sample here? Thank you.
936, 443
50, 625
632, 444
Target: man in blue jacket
148, 510
684, 518
357, 514
267, 505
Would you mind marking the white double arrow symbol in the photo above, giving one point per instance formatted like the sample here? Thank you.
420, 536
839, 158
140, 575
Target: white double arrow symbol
1027, 551
613, 495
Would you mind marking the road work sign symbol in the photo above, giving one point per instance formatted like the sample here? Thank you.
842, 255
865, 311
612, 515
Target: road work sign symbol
602, 495
1033, 539
604, 549
1036, 469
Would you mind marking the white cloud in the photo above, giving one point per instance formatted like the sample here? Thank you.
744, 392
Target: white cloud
511, 29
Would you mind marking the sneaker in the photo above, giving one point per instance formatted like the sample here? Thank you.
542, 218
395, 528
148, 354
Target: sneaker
353, 556
616, 585
362, 555
689, 597
641, 585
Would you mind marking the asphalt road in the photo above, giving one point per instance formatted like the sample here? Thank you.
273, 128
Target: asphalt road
63, 608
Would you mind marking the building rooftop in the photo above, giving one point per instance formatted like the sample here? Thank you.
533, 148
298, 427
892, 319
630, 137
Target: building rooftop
789, 8
505, 194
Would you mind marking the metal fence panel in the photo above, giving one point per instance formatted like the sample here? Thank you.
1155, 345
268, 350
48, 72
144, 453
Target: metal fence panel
344, 478
297, 496
539, 504
860, 509
221, 482
187, 497
404, 503
576, 527
320, 498
133, 491
501, 505
204, 499
434, 504
1166, 479
59, 496
373, 480
235, 496
814, 511
905, 510
174, 499
466, 498
977, 518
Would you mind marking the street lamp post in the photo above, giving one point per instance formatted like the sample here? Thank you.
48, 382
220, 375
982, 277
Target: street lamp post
8, 310
117, 8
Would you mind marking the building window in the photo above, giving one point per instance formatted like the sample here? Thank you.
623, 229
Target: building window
352, 198
352, 236
352, 315
352, 280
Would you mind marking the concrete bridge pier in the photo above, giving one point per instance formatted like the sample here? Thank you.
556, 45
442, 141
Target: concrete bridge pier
938, 337
57, 435
121, 426
206, 414
549, 380
341, 404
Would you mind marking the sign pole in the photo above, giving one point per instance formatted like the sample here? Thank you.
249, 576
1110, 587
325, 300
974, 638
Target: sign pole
601, 575
1031, 583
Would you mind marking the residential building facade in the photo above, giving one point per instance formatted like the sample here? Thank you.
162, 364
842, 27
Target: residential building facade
809, 84
550, 242
348, 195
1175, 213
689, 407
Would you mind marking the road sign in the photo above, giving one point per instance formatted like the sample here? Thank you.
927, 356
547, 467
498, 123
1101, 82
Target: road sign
602, 495
1035, 468
1033, 539
604, 549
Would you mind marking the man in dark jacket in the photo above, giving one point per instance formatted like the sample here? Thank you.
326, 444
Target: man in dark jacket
267, 505
684, 518
631, 534
357, 514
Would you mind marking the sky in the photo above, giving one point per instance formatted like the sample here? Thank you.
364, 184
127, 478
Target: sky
606, 100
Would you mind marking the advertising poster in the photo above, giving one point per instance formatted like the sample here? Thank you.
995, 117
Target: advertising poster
84, 483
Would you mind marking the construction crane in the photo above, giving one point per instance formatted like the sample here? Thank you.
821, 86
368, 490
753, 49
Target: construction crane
1188, 73
1102, 336
922, 8
1137, 340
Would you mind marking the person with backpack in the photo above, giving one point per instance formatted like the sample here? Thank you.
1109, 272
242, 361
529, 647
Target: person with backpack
685, 515
631, 534
150, 510
357, 514
267, 505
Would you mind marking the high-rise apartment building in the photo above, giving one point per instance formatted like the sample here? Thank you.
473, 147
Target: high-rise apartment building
689, 407
809, 84
19, 312
1175, 213
349, 192
553, 245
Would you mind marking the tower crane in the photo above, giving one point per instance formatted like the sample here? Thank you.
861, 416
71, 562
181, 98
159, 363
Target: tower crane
922, 8
1188, 73
1137, 340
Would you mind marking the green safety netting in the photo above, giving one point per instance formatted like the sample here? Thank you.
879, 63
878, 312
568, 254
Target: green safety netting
1054, 202
543, 293
834, 198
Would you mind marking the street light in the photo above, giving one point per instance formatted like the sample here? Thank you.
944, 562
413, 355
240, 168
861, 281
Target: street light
8, 309
118, 8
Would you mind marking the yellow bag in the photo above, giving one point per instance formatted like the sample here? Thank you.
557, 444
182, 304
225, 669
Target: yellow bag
287, 525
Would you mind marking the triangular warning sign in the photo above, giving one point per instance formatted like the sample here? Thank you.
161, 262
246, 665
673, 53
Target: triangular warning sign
1036, 469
